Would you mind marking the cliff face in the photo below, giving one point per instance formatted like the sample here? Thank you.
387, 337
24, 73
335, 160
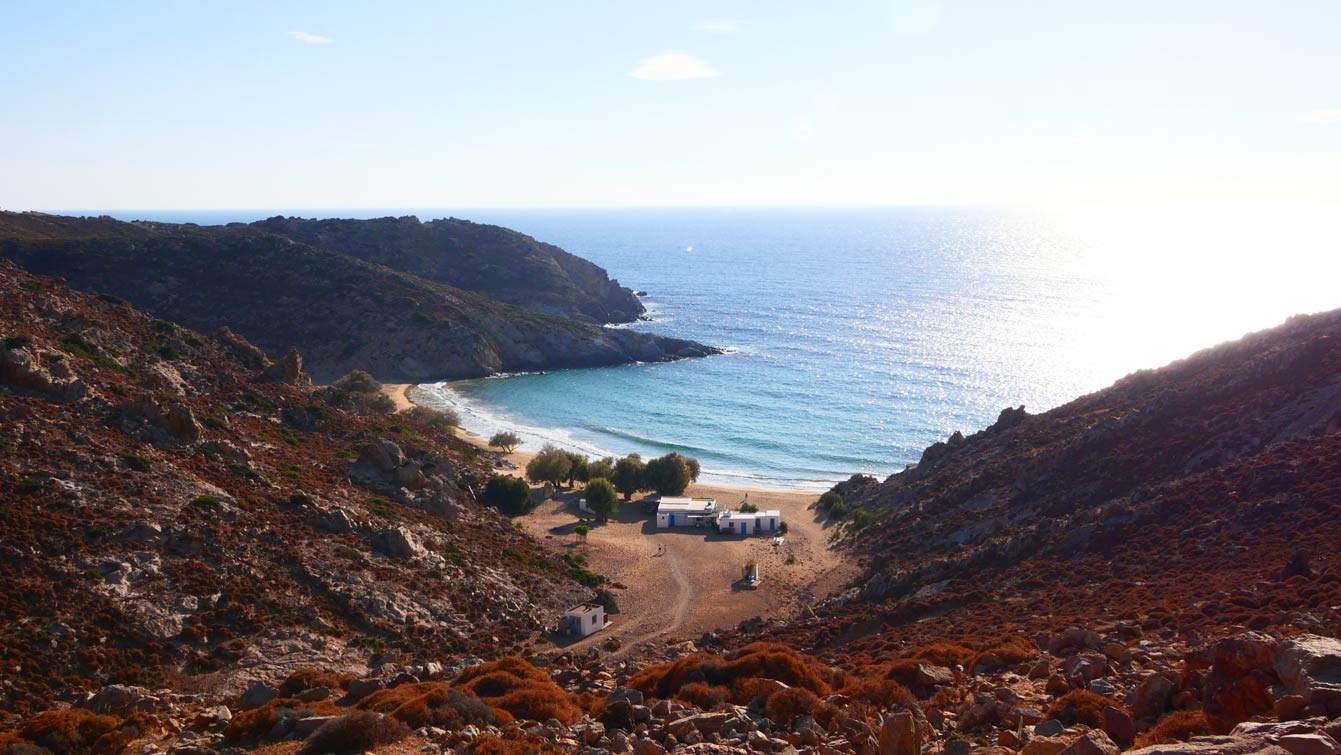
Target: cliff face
342, 313
175, 504
497, 262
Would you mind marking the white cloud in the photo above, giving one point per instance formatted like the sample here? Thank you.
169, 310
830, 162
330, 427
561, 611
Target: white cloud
309, 38
719, 25
1322, 117
673, 67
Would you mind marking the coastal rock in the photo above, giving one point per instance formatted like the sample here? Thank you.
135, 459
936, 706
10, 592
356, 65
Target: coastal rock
1310, 666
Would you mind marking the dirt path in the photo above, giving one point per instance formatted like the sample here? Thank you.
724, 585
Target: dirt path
680, 583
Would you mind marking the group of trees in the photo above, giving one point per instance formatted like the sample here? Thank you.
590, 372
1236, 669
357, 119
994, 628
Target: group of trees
604, 479
667, 475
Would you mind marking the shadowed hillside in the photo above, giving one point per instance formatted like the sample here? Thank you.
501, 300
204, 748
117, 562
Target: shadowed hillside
341, 312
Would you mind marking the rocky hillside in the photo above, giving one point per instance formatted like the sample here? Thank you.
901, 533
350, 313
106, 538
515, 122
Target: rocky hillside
497, 262
343, 313
178, 511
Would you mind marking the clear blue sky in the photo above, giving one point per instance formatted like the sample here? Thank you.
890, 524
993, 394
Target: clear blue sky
344, 104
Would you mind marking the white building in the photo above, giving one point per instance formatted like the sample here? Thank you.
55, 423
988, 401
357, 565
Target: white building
742, 523
585, 619
681, 511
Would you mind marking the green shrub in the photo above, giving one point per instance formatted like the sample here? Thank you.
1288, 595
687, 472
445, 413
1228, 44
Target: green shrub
507, 494
20, 341
137, 462
300, 499
205, 501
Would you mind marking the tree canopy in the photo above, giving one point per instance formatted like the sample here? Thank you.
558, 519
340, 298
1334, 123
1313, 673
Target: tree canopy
550, 465
601, 498
505, 440
629, 475
508, 494
670, 474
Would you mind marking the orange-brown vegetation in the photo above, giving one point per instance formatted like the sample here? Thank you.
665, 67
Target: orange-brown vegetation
1178, 726
76, 731
256, 724
945, 654
1081, 707
512, 685
305, 679
353, 733
784, 707
1003, 654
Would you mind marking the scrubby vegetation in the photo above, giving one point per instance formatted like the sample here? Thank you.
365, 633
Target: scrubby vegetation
508, 494
505, 441
354, 733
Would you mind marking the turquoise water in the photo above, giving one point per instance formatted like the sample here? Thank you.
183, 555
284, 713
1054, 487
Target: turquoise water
859, 336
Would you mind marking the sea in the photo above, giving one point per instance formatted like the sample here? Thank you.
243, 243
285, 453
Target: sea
856, 337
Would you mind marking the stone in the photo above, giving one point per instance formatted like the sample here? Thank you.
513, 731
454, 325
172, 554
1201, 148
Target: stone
648, 747
1103, 687
1290, 707
957, 746
899, 735
258, 694
382, 454
1050, 728
1214, 746
1238, 685
1310, 666
361, 688
399, 542
114, 699
1119, 725
1093, 742
1058, 685
1309, 744
1151, 698
631, 696
1043, 746
181, 423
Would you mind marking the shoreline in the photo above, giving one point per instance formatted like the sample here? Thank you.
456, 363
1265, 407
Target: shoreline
514, 463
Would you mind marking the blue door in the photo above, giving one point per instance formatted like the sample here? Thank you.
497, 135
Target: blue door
671, 519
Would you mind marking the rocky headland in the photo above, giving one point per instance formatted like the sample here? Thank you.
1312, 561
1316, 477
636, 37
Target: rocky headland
344, 312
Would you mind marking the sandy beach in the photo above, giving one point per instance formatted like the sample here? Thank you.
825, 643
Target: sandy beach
679, 583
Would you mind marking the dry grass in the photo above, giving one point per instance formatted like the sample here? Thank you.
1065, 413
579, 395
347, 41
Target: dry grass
1081, 707
1178, 726
521, 690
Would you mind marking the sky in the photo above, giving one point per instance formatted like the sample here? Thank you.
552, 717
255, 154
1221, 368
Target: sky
542, 104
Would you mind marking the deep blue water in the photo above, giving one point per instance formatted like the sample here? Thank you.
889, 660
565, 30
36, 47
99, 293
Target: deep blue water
859, 336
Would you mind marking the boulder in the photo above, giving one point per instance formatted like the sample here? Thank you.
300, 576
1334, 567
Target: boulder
1214, 746
1119, 725
382, 454
114, 699
1043, 746
1151, 698
181, 424
1310, 666
399, 542
1073, 641
1309, 744
1093, 742
257, 694
899, 735
1238, 685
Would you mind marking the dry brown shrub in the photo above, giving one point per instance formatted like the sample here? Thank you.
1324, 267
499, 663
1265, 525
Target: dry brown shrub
309, 678
511, 664
252, 725
354, 732
944, 654
1008, 652
1081, 707
770, 660
522, 690
783, 707
387, 700
879, 692
1178, 726
73, 731
703, 695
